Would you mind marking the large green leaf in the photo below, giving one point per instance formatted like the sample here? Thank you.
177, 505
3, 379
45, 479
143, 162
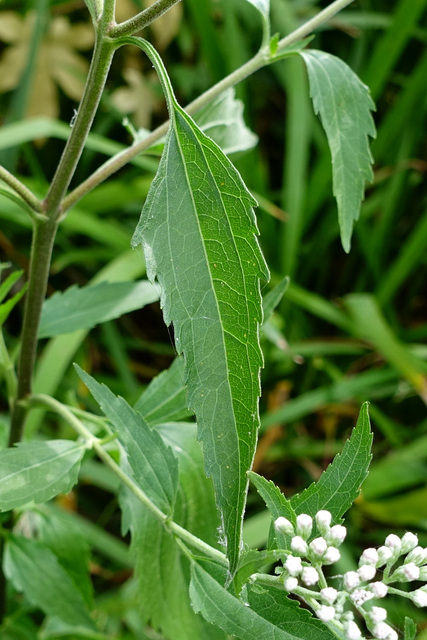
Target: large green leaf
271, 615
339, 485
153, 465
198, 231
84, 308
38, 471
162, 571
344, 105
35, 570
165, 398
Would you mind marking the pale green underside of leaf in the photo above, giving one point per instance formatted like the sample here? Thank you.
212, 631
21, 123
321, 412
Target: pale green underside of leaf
153, 465
198, 231
86, 307
38, 471
263, 6
162, 570
344, 105
270, 616
34, 569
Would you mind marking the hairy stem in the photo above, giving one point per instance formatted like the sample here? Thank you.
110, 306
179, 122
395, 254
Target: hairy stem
143, 19
261, 59
169, 524
21, 190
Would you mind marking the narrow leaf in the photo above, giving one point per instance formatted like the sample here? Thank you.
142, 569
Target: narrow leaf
340, 484
263, 6
273, 298
7, 285
83, 308
198, 231
38, 471
165, 399
153, 464
344, 105
35, 570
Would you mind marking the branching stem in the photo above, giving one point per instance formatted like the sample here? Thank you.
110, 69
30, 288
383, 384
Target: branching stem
21, 190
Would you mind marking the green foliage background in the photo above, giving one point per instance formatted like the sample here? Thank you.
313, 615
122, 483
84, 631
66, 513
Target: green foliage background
350, 328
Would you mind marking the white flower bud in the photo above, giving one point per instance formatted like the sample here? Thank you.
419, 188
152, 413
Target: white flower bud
366, 572
423, 574
323, 521
377, 614
411, 571
331, 556
379, 589
394, 543
360, 596
419, 597
293, 565
318, 547
384, 555
283, 526
329, 594
383, 631
369, 556
409, 542
418, 556
351, 630
299, 546
325, 613
351, 580
291, 583
336, 535
304, 525
309, 576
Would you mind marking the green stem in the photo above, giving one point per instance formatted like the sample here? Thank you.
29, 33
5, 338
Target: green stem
169, 524
143, 19
261, 59
9, 371
21, 190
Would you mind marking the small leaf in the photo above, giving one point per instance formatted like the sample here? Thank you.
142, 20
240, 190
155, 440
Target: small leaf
344, 105
273, 298
410, 629
7, 285
86, 307
35, 570
277, 504
198, 231
340, 484
165, 398
37, 471
153, 465
251, 562
263, 6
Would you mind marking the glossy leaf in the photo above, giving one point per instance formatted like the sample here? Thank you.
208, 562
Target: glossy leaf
161, 569
198, 232
153, 465
35, 570
37, 471
165, 398
88, 306
339, 485
344, 105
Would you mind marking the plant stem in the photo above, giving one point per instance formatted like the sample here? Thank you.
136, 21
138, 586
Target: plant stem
261, 59
143, 19
9, 372
169, 524
21, 190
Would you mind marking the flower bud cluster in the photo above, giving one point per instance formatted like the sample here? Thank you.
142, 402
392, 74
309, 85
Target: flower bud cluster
303, 574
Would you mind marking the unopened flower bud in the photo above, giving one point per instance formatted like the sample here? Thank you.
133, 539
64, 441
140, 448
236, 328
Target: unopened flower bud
331, 556
309, 576
418, 556
325, 613
384, 555
351, 580
377, 614
379, 589
329, 594
290, 584
419, 597
299, 546
423, 574
351, 630
336, 535
366, 572
394, 543
323, 521
360, 596
317, 547
409, 542
369, 556
293, 565
383, 631
304, 525
411, 571
283, 526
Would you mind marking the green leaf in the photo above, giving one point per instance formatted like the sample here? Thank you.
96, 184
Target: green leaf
35, 570
7, 306
277, 504
153, 465
271, 614
165, 399
344, 105
222, 120
251, 562
273, 298
162, 571
37, 471
410, 629
340, 484
198, 231
7, 285
86, 307
263, 6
